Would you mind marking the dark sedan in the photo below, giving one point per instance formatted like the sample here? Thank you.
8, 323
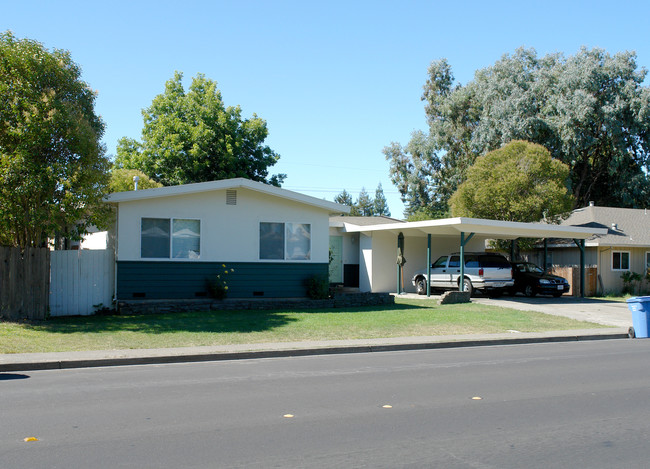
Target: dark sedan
531, 280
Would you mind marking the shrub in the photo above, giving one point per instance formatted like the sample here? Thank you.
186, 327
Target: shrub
218, 286
318, 287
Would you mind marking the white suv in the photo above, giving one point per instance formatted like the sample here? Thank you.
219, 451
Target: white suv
488, 272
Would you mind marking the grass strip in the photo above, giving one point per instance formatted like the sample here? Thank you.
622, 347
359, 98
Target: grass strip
408, 317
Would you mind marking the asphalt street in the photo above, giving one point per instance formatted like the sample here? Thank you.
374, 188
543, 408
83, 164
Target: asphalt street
570, 404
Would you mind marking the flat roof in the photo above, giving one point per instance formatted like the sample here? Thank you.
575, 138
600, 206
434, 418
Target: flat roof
488, 228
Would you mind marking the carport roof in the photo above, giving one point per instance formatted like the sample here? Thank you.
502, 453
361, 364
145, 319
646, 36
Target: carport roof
487, 228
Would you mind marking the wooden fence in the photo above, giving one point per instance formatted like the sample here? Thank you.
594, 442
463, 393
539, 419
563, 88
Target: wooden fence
572, 274
81, 282
24, 283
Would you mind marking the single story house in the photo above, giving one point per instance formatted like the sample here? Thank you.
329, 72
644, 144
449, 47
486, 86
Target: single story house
624, 245
263, 240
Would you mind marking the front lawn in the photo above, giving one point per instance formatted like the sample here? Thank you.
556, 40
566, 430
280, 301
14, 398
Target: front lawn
408, 317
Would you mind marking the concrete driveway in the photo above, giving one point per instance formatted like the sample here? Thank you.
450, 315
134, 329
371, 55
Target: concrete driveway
600, 311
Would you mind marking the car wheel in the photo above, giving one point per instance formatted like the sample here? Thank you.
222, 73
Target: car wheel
529, 291
421, 286
467, 286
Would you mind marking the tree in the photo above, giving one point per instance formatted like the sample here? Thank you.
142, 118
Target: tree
590, 111
53, 168
518, 182
364, 204
379, 203
122, 180
193, 137
344, 198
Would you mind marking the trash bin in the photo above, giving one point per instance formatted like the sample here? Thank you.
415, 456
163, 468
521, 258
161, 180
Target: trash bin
640, 308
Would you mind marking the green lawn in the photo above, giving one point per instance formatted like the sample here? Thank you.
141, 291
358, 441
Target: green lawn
407, 317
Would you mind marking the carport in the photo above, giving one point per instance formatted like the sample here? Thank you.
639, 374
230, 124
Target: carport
392, 244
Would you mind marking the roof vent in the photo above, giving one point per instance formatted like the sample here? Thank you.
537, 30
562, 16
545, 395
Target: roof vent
614, 226
231, 197
591, 203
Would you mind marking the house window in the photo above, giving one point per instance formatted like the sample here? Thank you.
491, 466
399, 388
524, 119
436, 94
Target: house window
162, 238
620, 260
647, 262
186, 239
285, 241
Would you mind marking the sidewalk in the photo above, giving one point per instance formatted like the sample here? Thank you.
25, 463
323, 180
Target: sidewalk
98, 358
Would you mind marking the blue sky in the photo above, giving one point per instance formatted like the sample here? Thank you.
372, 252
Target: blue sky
336, 81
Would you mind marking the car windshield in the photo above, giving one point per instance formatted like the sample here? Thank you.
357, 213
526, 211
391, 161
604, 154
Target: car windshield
532, 268
494, 262
441, 262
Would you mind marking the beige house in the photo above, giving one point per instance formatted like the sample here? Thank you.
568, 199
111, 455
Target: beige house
624, 247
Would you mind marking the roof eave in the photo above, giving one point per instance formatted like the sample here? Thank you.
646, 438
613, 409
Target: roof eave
236, 183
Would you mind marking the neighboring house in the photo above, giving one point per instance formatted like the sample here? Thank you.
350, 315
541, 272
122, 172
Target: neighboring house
172, 241
625, 247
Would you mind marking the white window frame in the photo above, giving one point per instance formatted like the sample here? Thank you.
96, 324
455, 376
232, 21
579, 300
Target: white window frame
171, 239
621, 269
284, 248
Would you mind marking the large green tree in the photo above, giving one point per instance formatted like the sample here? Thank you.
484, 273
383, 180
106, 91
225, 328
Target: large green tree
191, 136
590, 110
519, 182
53, 168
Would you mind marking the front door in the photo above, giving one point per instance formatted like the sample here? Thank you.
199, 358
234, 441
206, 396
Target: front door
336, 259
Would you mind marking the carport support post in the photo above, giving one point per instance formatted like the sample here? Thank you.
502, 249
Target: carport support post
545, 254
400, 252
463, 242
428, 265
581, 245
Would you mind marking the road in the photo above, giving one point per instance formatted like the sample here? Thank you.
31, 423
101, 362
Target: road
577, 404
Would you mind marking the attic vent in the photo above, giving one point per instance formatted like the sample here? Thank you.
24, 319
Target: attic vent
231, 197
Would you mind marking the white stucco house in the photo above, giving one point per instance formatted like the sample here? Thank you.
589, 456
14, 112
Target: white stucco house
171, 241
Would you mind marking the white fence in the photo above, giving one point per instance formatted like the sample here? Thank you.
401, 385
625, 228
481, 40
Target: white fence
81, 281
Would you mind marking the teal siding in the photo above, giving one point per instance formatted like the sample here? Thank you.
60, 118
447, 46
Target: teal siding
187, 280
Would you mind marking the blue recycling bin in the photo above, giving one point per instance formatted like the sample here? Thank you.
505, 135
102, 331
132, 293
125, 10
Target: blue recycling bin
640, 308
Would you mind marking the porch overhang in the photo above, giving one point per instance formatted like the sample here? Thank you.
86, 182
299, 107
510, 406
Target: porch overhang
481, 227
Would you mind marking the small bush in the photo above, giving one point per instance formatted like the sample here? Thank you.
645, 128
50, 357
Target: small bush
218, 286
318, 287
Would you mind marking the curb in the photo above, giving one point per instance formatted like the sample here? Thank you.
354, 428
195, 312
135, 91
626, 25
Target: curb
279, 353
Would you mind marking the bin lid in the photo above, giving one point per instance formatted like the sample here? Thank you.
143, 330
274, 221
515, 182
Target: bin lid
638, 299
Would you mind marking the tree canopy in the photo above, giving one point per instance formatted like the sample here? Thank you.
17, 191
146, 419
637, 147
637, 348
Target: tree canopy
122, 180
191, 136
590, 110
53, 168
365, 205
518, 182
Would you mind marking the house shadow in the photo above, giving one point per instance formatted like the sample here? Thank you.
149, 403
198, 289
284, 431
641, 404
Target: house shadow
218, 322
